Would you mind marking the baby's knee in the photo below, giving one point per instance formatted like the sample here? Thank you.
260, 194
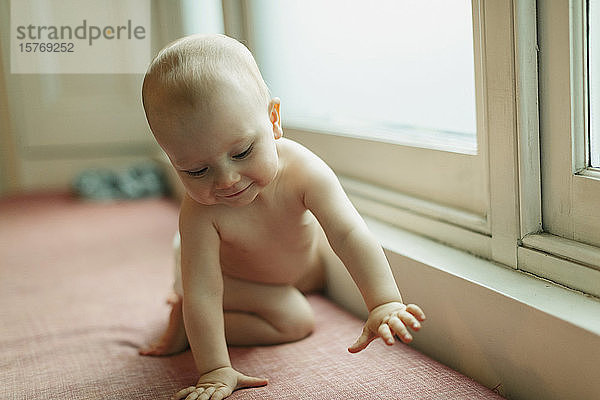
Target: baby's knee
299, 320
301, 327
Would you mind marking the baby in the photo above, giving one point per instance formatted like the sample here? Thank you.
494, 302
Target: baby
260, 219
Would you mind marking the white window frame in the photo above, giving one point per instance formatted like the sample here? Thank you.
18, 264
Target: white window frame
509, 229
564, 248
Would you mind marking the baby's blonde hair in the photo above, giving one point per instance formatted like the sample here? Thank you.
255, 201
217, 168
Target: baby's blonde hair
190, 69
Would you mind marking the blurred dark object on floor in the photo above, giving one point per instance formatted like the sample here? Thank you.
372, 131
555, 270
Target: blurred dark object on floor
142, 180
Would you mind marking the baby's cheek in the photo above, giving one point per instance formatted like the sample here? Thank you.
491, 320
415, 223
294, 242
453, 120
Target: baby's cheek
265, 170
198, 192
265, 175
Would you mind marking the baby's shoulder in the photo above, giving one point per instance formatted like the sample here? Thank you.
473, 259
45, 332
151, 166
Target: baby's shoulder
294, 156
303, 168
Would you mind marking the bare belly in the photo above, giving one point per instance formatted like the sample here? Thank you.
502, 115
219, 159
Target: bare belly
281, 261
278, 268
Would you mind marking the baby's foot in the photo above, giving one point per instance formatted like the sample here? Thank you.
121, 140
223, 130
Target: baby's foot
174, 340
168, 344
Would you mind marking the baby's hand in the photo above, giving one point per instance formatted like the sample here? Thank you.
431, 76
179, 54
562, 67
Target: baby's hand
387, 320
218, 384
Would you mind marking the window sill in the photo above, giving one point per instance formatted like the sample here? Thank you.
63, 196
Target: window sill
569, 305
506, 329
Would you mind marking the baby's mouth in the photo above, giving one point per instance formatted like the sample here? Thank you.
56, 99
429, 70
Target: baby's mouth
238, 193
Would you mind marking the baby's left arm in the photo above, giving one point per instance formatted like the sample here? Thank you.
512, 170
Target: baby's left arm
362, 255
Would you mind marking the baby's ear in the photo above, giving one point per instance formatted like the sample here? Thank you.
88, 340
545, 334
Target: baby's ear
275, 117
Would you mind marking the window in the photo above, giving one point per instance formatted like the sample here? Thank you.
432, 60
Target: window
527, 196
570, 187
594, 81
367, 81
410, 65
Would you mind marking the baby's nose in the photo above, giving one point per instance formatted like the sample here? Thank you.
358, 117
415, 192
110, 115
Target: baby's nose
227, 179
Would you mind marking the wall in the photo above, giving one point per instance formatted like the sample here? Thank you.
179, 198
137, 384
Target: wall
526, 337
53, 126
8, 178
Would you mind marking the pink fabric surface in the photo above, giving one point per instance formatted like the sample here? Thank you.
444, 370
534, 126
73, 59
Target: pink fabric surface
83, 285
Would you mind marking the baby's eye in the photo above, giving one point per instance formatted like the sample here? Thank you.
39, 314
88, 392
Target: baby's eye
199, 173
244, 153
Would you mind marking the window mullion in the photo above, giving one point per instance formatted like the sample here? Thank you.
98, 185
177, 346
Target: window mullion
500, 94
528, 117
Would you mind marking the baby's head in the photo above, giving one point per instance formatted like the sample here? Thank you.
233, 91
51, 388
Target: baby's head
190, 71
211, 112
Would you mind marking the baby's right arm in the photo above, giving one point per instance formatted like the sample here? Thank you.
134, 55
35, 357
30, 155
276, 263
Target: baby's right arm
203, 308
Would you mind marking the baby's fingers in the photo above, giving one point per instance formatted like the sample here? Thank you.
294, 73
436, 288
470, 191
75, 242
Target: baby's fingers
205, 395
220, 394
195, 394
399, 328
416, 311
409, 320
183, 393
386, 334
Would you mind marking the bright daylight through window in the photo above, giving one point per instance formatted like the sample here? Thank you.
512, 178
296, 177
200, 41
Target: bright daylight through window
594, 80
396, 70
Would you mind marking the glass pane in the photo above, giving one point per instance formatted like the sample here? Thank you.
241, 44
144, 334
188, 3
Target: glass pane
202, 16
394, 70
594, 80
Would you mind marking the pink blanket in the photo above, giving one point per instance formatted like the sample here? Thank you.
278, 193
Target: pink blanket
83, 285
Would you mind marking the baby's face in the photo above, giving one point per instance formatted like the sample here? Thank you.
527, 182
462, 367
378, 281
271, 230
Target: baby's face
224, 155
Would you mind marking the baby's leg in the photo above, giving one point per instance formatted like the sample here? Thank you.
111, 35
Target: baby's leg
314, 279
174, 339
260, 314
255, 314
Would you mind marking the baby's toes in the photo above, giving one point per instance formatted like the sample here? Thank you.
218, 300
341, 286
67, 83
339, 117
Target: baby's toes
149, 351
155, 349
